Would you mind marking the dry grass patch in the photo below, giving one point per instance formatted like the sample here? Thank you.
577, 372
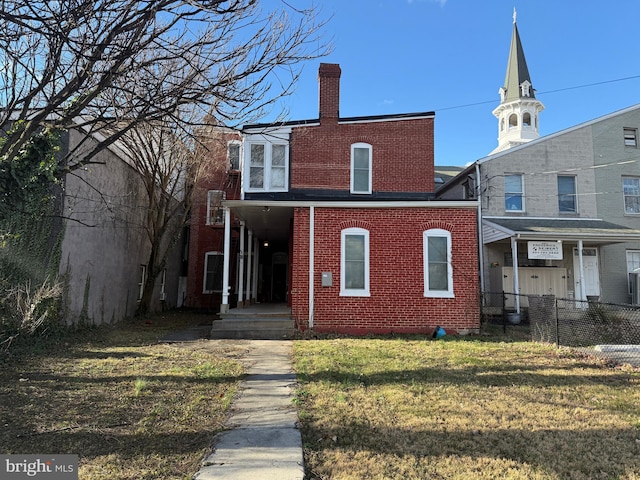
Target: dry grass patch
130, 407
464, 409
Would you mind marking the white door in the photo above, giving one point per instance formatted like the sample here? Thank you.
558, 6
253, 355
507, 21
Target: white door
591, 272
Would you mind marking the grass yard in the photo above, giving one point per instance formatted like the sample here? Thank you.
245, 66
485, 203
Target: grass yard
130, 407
464, 408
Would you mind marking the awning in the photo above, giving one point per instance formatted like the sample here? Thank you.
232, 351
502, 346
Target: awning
594, 231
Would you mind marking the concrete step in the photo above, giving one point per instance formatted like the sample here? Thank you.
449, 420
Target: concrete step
253, 328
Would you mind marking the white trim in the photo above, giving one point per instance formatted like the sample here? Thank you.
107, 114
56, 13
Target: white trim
369, 148
439, 233
267, 166
355, 204
352, 292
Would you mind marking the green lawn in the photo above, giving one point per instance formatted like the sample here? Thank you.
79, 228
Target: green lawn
129, 407
464, 408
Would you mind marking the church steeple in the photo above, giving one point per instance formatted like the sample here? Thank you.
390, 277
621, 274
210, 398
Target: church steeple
519, 109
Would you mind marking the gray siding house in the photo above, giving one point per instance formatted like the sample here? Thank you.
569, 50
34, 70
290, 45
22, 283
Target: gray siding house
561, 214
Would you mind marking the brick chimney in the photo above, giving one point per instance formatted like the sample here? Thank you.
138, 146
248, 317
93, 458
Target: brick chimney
329, 78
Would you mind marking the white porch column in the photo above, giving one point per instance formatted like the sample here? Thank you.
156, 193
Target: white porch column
583, 287
241, 268
311, 262
247, 295
224, 308
516, 279
256, 270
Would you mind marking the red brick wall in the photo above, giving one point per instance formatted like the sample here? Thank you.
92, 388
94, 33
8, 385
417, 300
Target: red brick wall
209, 238
397, 302
402, 157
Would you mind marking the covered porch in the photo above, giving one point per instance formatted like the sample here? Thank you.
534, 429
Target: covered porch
517, 249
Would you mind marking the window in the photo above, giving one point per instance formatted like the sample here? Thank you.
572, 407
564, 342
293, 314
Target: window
526, 119
631, 194
630, 137
215, 212
360, 168
633, 263
142, 276
513, 193
233, 155
268, 167
438, 274
513, 120
567, 194
354, 262
212, 272
278, 166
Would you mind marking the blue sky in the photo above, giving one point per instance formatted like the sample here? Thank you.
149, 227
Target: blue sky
450, 56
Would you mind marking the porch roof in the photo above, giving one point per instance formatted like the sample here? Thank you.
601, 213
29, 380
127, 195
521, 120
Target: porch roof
593, 230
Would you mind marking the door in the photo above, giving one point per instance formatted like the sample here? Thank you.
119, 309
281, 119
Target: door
279, 277
591, 272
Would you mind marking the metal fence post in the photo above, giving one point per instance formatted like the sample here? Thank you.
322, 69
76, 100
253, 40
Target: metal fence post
557, 324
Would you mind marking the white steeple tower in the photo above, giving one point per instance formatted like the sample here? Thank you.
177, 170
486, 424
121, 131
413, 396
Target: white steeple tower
518, 112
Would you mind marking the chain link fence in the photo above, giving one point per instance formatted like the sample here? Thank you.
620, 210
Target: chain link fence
608, 330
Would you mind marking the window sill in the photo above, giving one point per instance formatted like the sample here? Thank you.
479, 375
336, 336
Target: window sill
355, 293
439, 295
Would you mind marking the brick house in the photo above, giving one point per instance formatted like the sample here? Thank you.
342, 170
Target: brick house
336, 218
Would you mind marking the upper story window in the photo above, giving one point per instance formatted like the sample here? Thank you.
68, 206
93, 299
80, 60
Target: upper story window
361, 168
630, 137
268, 167
233, 155
513, 120
215, 212
567, 199
526, 119
631, 194
354, 262
438, 273
514, 193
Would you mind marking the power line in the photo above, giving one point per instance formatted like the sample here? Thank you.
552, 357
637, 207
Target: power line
576, 87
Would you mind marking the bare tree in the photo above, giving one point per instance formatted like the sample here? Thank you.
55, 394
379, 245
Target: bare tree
169, 164
102, 64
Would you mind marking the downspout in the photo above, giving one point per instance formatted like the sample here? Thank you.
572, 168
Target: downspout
480, 235
311, 263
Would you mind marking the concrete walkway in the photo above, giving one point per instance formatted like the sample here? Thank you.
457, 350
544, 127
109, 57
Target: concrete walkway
263, 441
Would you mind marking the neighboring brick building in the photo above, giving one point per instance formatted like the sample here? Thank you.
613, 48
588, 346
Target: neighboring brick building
337, 218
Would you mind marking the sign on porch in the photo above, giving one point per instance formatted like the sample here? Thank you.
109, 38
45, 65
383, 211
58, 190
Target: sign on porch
545, 250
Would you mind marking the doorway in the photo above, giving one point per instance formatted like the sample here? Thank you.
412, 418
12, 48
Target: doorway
591, 273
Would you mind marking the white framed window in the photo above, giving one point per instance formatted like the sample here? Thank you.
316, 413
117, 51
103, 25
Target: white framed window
361, 156
513, 193
630, 137
268, 167
631, 194
567, 198
438, 271
633, 263
233, 155
212, 281
215, 212
142, 277
354, 262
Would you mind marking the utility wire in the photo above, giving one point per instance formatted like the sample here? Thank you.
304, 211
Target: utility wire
576, 87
